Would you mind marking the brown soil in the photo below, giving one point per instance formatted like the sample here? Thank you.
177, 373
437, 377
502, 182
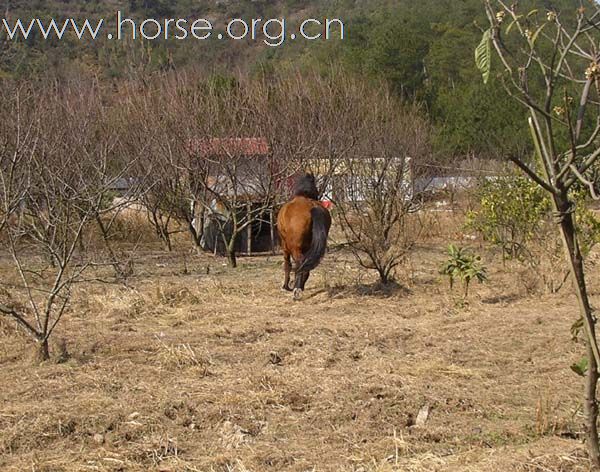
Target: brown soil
224, 372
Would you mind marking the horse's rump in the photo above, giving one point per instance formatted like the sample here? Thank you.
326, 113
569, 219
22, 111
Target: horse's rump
303, 225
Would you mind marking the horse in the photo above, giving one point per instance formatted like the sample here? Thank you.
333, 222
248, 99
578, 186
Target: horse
303, 225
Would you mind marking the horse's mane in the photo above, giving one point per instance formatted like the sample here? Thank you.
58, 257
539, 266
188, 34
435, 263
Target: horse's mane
306, 187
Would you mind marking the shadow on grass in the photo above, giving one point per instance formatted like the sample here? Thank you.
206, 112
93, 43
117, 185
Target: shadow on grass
505, 298
377, 289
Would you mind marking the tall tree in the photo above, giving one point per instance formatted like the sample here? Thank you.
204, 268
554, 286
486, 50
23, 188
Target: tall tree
558, 50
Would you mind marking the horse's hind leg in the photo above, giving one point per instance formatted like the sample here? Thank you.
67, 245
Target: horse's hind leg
299, 284
287, 268
305, 279
299, 277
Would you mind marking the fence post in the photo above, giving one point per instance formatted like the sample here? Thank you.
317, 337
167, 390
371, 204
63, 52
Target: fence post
249, 229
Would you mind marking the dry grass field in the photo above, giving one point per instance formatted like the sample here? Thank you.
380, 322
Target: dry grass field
197, 367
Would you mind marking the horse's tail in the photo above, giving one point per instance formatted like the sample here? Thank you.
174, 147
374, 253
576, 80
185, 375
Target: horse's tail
321, 221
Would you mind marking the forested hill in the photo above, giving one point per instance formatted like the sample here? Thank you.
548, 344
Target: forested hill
423, 49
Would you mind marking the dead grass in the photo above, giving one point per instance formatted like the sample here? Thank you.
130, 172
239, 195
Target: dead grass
222, 372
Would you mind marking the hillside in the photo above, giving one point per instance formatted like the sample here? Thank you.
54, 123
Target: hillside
422, 50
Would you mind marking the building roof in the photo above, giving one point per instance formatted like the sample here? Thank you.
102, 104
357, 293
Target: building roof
230, 146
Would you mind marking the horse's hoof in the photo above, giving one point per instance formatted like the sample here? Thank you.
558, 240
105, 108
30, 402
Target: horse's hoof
285, 288
297, 294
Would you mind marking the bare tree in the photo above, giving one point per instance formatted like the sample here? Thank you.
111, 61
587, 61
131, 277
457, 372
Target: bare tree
378, 186
162, 118
65, 185
240, 188
551, 65
315, 121
19, 137
110, 177
243, 163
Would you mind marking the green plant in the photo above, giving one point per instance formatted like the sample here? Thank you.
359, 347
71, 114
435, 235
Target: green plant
511, 214
588, 224
465, 266
515, 215
581, 367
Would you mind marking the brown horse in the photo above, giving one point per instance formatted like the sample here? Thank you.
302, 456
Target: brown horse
303, 225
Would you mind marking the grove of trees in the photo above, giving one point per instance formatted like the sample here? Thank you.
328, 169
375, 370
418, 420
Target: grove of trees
69, 145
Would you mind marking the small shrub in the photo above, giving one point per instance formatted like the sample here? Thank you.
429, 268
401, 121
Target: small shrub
511, 213
464, 266
515, 215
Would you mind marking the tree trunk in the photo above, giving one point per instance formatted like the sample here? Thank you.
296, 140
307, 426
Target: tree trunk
121, 272
249, 230
575, 261
231, 256
42, 352
272, 230
196, 236
590, 408
231, 259
167, 241
81, 243
162, 230
384, 276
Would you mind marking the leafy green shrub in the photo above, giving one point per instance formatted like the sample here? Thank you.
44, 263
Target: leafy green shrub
511, 213
588, 224
465, 266
515, 215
